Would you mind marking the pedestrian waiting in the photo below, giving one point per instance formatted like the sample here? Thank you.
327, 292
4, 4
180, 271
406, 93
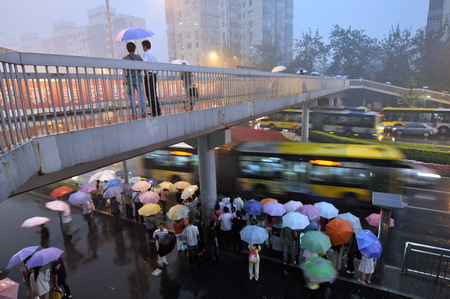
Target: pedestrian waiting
158, 235
253, 261
192, 236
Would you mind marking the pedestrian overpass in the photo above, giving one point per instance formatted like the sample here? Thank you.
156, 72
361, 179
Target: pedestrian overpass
66, 115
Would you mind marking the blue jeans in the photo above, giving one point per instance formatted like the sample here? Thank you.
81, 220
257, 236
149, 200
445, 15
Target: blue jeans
131, 88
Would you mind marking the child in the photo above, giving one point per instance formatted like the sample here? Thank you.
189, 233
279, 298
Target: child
366, 267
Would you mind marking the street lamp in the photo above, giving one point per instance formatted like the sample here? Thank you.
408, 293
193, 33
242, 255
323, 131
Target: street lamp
225, 63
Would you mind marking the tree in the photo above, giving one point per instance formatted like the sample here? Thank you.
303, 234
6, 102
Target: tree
409, 98
311, 52
396, 56
267, 56
353, 52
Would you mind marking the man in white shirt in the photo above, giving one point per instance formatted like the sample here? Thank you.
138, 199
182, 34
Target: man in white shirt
226, 220
158, 235
192, 236
238, 203
151, 79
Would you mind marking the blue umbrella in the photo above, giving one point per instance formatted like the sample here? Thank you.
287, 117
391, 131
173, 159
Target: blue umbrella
254, 234
121, 172
253, 207
114, 191
113, 183
152, 181
79, 198
312, 226
133, 33
373, 251
365, 238
21, 255
44, 256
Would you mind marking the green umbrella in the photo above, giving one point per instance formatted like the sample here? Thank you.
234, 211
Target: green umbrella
316, 242
319, 269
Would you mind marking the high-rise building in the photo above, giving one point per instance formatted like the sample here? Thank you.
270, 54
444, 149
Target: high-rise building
213, 32
91, 39
439, 18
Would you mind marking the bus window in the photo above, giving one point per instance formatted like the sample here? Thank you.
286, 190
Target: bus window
411, 116
447, 117
398, 116
425, 117
293, 117
295, 176
260, 167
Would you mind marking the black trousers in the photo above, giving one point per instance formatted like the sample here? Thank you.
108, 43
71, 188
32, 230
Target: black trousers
129, 211
150, 92
137, 206
62, 282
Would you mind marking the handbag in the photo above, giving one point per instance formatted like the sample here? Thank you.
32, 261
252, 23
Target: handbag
57, 293
184, 247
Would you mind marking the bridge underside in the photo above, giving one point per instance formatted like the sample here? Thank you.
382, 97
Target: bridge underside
48, 159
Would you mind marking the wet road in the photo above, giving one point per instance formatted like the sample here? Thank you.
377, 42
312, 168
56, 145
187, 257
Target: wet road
103, 263
436, 140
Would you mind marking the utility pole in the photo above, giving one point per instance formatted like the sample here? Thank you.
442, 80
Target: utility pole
111, 43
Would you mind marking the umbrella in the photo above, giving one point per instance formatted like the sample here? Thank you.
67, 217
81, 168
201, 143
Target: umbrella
315, 242
44, 256
253, 234
133, 33
319, 269
368, 244
267, 200
189, 191
182, 185
327, 210
88, 188
57, 205
300, 70
112, 192
169, 186
178, 212
312, 226
339, 231
152, 181
135, 179
278, 69
104, 175
167, 244
353, 220
375, 219
253, 207
149, 197
180, 61
309, 210
113, 183
9, 289
149, 209
141, 186
79, 198
121, 173
60, 191
274, 209
34, 221
21, 255
292, 205
295, 220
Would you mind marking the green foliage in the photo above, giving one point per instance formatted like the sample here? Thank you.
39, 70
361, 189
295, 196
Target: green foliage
311, 52
48, 188
420, 152
267, 56
410, 97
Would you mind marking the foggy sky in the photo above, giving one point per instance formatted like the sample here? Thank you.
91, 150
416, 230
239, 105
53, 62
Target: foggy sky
374, 16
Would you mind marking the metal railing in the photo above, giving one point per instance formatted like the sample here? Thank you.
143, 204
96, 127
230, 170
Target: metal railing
426, 260
42, 94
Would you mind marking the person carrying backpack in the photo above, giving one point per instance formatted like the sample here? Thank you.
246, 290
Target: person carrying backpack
253, 261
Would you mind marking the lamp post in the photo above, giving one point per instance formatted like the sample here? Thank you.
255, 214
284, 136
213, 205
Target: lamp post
111, 43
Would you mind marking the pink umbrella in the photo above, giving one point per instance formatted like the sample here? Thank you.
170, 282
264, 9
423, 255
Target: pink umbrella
8, 289
88, 188
34, 221
149, 197
57, 205
374, 220
309, 210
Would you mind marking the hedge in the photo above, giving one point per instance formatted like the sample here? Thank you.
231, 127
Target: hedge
418, 152
48, 188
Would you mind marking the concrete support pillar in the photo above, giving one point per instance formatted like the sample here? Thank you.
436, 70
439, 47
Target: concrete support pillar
331, 101
305, 123
125, 171
207, 168
383, 235
339, 101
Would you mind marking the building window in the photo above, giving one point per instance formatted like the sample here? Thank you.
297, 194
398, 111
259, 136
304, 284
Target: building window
181, 46
250, 24
250, 3
189, 46
196, 44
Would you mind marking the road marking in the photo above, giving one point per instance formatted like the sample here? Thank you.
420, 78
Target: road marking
426, 209
429, 197
426, 190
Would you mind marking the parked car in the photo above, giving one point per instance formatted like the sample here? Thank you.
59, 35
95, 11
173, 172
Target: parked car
418, 175
415, 129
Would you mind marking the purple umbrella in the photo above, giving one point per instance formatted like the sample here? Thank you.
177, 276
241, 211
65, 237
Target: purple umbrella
44, 256
309, 210
21, 255
79, 198
133, 33
274, 209
114, 191
113, 183
253, 207
88, 188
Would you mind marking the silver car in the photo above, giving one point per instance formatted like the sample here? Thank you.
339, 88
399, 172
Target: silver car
415, 129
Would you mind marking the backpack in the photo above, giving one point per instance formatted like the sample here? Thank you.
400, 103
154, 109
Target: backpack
253, 256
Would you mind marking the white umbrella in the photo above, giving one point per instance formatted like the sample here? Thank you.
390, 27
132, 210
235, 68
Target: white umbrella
292, 205
34, 221
189, 191
141, 186
57, 205
295, 220
278, 69
354, 221
180, 61
104, 175
327, 210
169, 186
182, 185
135, 179
178, 212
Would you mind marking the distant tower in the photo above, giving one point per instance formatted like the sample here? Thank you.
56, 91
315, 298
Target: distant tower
439, 18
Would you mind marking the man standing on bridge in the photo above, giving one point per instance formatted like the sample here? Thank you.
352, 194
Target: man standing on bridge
133, 79
151, 79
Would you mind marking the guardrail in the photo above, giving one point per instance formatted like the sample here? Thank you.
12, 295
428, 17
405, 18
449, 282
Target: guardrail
42, 94
426, 260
